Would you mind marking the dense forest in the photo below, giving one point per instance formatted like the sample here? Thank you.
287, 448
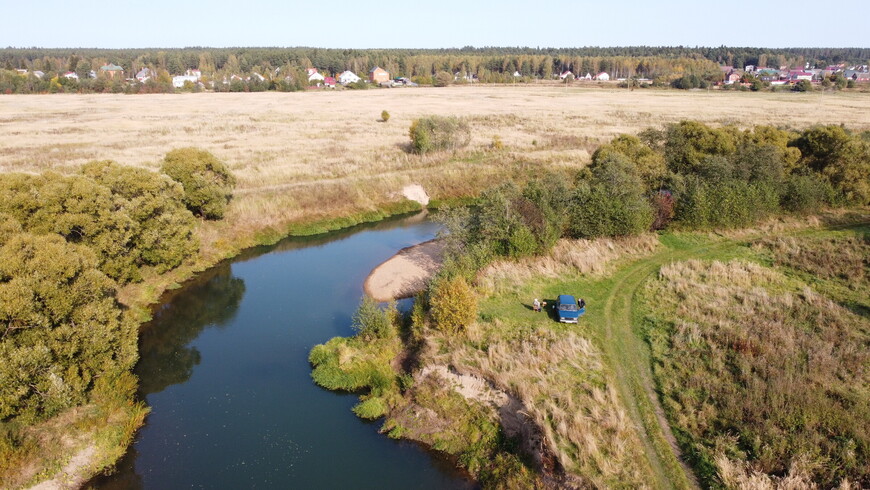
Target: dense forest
490, 64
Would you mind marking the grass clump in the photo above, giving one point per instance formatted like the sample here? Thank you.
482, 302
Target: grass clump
363, 362
760, 374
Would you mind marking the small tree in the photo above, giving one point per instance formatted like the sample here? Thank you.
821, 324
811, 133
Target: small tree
453, 305
207, 182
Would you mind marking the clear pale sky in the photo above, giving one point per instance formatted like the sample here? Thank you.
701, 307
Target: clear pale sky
433, 23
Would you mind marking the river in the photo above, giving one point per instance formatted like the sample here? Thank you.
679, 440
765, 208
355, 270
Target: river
224, 367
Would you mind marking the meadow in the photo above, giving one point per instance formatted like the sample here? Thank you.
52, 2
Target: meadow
305, 156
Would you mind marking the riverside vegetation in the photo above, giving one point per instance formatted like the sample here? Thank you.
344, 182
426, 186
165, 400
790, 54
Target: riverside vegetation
743, 362
68, 345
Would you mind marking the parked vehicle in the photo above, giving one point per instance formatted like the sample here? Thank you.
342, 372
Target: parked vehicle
568, 309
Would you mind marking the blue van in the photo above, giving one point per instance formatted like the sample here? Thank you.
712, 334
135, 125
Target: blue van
568, 309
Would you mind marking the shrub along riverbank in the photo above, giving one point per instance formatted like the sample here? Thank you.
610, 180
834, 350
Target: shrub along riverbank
687, 176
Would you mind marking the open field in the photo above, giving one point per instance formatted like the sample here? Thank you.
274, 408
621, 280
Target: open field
300, 156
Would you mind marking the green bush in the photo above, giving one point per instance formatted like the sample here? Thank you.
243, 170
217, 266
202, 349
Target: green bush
453, 304
63, 327
78, 209
207, 182
840, 156
609, 201
129, 217
803, 86
163, 235
385, 116
371, 322
438, 133
807, 193
726, 203
649, 164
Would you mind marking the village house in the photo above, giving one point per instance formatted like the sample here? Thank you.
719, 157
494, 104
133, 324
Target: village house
587, 76
733, 76
314, 77
193, 73
767, 74
71, 75
329, 82
858, 76
178, 81
602, 77
144, 75
348, 77
111, 70
379, 75
797, 75
565, 74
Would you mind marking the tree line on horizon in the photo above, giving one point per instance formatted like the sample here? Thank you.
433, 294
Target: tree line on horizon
490, 64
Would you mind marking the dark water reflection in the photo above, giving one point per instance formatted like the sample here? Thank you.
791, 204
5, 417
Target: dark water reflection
224, 367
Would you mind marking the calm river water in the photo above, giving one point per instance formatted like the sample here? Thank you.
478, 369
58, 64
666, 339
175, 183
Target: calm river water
224, 366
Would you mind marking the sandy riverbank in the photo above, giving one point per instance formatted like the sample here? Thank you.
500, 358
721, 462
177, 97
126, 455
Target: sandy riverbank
406, 273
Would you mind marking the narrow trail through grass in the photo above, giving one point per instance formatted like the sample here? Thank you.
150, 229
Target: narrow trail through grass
629, 357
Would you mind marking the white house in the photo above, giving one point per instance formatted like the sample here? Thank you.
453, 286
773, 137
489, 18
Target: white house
178, 81
144, 75
588, 76
193, 73
71, 75
313, 76
517, 74
257, 76
347, 77
566, 74
603, 76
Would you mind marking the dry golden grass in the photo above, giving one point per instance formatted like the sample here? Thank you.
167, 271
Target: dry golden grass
324, 154
567, 258
742, 346
563, 385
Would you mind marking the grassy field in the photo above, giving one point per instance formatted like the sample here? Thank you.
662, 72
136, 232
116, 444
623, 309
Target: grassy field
304, 156
616, 429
